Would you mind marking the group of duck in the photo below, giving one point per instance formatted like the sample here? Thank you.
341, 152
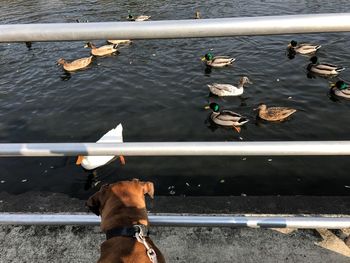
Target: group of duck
101, 51
340, 88
218, 116
235, 120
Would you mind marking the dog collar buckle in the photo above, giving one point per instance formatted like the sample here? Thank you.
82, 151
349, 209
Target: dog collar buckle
140, 237
140, 230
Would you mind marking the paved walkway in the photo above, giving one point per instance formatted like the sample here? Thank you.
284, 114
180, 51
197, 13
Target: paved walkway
221, 245
193, 245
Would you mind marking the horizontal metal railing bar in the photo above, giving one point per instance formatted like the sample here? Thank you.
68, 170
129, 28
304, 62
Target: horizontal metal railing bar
184, 220
280, 148
218, 27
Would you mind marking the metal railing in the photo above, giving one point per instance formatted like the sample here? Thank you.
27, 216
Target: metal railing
185, 220
267, 25
220, 27
282, 148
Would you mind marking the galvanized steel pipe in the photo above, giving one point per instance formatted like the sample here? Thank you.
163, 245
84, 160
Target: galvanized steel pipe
185, 220
218, 27
282, 148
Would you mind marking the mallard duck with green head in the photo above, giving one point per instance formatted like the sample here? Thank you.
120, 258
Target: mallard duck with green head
304, 48
341, 89
274, 113
226, 117
323, 69
218, 61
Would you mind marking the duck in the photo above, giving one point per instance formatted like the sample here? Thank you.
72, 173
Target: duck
197, 15
101, 51
130, 17
28, 44
323, 69
92, 162
120, 42
304, 48
81, 21
75, 64
217, 62
274, 113
228, 89
341, 89
226, 117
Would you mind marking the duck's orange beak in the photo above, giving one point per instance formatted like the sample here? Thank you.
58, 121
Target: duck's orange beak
79, 160
122, 159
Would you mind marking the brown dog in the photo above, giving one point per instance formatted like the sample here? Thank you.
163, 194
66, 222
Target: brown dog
123, 213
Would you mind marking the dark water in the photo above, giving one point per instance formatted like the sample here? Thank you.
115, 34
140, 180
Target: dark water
157, 89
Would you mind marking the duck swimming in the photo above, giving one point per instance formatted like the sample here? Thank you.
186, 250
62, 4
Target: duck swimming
304, 48
75, 64
120, 42
323, 69
228, 89
92, 162
341, 89
226, 117
101, 51
217, 62
274, 113
130, 17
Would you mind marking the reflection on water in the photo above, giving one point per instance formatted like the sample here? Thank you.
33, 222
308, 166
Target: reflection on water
158, 90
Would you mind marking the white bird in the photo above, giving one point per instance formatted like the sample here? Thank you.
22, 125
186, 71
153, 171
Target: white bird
92, 162
228, 89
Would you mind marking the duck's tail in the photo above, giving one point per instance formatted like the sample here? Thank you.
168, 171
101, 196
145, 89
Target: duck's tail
232, 60
318, 47
339, 69
243, 120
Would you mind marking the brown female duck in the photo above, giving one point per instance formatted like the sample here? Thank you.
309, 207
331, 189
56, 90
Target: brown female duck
101, 51
75, 64
274, 113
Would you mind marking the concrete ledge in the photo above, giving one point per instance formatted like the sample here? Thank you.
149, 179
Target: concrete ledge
53, 202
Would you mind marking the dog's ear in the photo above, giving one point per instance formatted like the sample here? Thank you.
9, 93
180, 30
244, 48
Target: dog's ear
93, 203
148, 188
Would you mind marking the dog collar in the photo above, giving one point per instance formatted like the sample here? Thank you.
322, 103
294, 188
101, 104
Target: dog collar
127, 231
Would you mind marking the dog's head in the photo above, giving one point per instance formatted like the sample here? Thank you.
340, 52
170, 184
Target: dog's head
121, 194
